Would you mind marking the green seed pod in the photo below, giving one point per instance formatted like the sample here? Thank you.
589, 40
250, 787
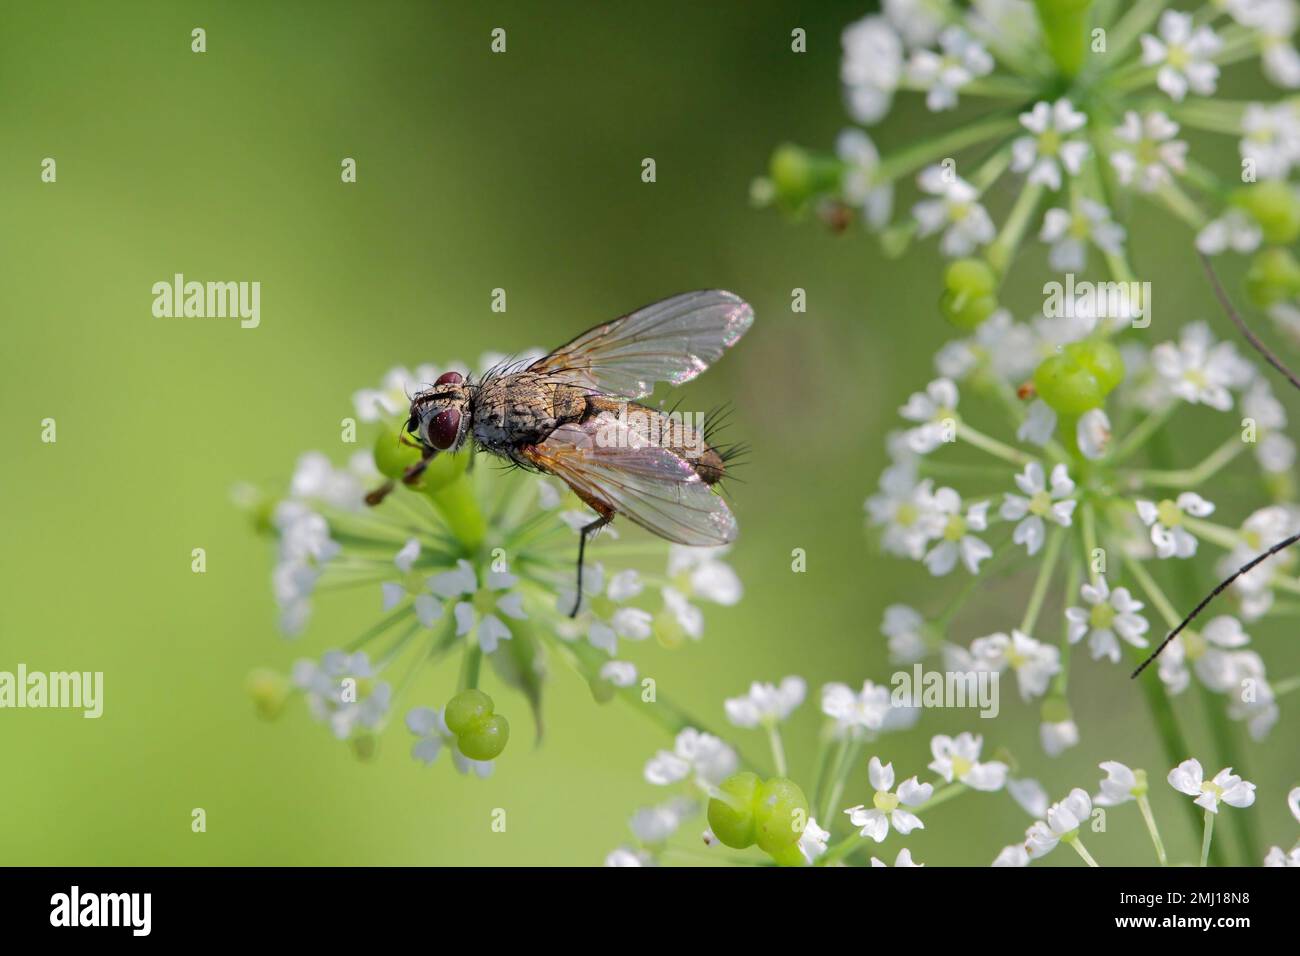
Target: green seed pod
732, 819
1274, 205
467, 710
486, 739
393, 457
1102, 359
970, 293
1273, 277
780, 814
1066, 386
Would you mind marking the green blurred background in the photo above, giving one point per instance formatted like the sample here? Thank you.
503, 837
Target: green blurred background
475, 171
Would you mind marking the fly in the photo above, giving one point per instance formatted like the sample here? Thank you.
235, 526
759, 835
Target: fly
573, 414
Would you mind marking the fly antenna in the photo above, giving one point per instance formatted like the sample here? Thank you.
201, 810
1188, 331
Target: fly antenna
1269, 356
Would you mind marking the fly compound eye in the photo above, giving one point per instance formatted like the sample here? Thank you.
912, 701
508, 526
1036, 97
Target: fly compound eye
444, 427
450, 378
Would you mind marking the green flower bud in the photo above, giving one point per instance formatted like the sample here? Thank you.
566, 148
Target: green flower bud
780, 814
970, 293
467, 710
393, 457
732, 819
1274, 205
1066, 386
486, 739
1273, 277
269, 690
798, 175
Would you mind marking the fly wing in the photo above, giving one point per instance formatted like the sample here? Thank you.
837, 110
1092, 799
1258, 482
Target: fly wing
605, 461
670, 341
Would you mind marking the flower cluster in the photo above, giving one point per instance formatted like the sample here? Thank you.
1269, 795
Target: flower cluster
1076, 104
746, 804
481, 562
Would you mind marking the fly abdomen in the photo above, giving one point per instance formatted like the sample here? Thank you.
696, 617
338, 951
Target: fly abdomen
672, 430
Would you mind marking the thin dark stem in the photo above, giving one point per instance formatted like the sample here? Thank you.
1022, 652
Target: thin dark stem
1218, 589
1237, 320
1282, 545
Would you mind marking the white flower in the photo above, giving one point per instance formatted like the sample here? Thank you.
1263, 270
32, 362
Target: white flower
861, 158
1215, 653
1043, 154
956, 211
1200, 371
855, 712
1184, 54
698, 574
887, 807
958, 758
936, 410
918, 22
956, 538
766, 704
1276, 857
1063, 819
316, 479
1034, 662
1263, 529
1119, 786
653, 825
624, 856
960, 59
1013, 855
481, 612
1056, 737
1000, 345
1271, 138
428, 725
618, 673
1149, 154
871, 67
1031, 796
1107, 614
1093, 434
342, 692
1226, 787
1233, 230
1041, 505
703, 756
906, 508
602, 612
393, 397
812, 842
1039, 424
1068, 232
1274, 450
904, 858
905, 629
1166, 521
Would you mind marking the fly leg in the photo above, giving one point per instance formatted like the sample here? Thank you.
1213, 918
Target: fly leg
605, 516
409, 477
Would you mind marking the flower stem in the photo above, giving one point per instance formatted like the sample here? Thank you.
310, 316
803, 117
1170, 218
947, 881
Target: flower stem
1206, 836
1079, 848
840, 775
470, 663
1045, 572
991, 445
778, 751
1198, 475
1065, 25
1003, 249
1145, 806
913, 157
456, 503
